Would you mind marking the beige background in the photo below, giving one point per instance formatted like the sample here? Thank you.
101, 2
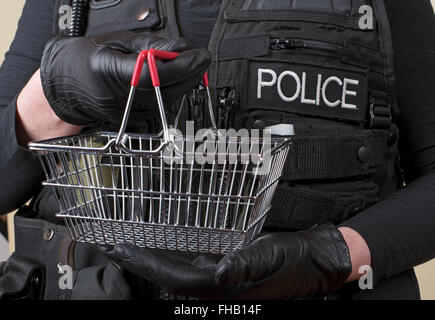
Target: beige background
10, 11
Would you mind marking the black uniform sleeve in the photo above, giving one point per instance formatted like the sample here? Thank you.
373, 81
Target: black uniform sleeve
400, 231
20, 171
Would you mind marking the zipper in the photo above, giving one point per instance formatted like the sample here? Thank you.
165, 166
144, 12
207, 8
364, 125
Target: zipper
292, 43
197, 102
226, 107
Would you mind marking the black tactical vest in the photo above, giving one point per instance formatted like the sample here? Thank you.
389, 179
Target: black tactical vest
325, 67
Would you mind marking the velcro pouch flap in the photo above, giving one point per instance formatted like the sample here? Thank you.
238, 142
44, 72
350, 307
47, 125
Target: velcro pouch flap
115, 15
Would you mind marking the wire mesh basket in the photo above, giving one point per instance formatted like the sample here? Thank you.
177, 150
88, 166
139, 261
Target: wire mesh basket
165, 191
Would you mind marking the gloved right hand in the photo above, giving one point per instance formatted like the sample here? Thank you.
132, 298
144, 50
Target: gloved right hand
86, 79
281, 265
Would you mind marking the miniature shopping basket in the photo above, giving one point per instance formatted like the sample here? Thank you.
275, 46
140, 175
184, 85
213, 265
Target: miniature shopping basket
163, 191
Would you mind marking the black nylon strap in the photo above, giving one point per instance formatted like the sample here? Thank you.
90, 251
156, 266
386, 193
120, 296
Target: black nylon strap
300, 208
333, 157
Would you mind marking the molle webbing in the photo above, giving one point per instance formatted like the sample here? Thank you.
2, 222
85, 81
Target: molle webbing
335, 157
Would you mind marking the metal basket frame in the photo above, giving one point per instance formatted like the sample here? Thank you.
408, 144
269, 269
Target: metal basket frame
118, 187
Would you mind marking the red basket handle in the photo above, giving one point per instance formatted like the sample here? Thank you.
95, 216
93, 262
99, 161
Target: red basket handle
161, 55
152, 55
138, 68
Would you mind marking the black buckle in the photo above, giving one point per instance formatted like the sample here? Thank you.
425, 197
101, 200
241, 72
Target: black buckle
380, 115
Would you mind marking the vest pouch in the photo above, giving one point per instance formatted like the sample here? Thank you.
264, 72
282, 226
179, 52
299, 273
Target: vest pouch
104, 16
310, 58
21, 279
107, 16
298, 76
44, 244
297, 207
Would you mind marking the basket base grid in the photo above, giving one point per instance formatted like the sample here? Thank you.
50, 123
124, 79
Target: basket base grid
159, 236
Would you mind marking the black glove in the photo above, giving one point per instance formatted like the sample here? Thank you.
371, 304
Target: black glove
274, 266
86, 79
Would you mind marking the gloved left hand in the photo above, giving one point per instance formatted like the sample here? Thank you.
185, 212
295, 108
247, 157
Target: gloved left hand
86, 80
274, 266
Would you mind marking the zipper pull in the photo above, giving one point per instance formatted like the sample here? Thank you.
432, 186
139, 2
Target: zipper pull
290, 43
285, 43
197, 103
226, 103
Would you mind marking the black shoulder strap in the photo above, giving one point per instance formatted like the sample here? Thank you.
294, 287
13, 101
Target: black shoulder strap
386, 45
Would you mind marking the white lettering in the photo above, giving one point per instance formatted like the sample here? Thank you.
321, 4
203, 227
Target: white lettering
304, 86
262, 83
191, 310
348, 93
319, 85
298, 86
325, 86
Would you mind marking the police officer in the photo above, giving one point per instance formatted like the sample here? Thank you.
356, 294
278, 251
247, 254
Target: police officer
327, 68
